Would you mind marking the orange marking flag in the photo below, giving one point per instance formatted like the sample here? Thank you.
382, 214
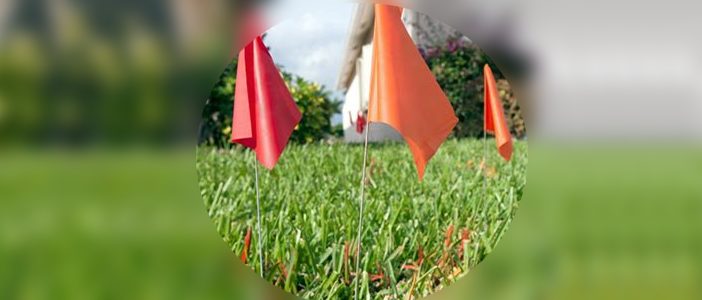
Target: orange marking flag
404, 93
265, 113
495, 116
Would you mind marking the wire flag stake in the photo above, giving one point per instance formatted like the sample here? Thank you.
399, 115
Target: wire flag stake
360, 216
258, 213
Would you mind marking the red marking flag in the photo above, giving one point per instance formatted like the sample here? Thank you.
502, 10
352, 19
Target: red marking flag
265, 113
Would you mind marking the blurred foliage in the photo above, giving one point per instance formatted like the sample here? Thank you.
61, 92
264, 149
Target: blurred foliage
74, 84
314, 101
458, 67
216, 119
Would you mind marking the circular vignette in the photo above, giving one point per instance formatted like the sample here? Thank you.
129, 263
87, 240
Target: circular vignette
418, 237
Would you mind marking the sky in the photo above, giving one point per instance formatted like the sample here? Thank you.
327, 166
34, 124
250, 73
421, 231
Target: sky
312, 45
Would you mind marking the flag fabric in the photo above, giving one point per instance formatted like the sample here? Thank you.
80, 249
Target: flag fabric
265, 113
404, 93
360, 122
494, 115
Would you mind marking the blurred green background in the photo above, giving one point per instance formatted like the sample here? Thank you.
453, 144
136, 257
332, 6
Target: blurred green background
99, 105
596, 222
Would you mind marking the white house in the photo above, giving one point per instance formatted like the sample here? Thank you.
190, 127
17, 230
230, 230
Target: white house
354, 77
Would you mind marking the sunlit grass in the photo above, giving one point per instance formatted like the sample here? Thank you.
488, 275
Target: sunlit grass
418, 237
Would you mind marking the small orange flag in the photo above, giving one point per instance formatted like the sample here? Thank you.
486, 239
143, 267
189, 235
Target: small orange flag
495, 116
404, 93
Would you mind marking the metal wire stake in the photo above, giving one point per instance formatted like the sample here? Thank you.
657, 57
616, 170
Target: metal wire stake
360, 216
258, 213
485, 149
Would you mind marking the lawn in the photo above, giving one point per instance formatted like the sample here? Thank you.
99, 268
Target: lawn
418, 237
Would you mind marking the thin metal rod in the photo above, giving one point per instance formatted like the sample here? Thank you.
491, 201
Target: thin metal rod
360, 215
485, 153
258, 213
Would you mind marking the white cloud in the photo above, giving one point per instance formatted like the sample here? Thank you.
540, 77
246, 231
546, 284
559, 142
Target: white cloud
313, 44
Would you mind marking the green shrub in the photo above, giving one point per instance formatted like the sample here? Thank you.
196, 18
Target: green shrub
314, 101
458, 67
317, 107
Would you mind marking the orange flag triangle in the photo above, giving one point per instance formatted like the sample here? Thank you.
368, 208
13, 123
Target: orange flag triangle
404, 93
494, 115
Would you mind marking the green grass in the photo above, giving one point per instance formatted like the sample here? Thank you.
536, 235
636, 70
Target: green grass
310, 214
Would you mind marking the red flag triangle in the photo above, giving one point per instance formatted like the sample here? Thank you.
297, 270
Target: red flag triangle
265, 113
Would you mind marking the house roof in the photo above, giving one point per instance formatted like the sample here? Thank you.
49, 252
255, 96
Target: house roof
360, 33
